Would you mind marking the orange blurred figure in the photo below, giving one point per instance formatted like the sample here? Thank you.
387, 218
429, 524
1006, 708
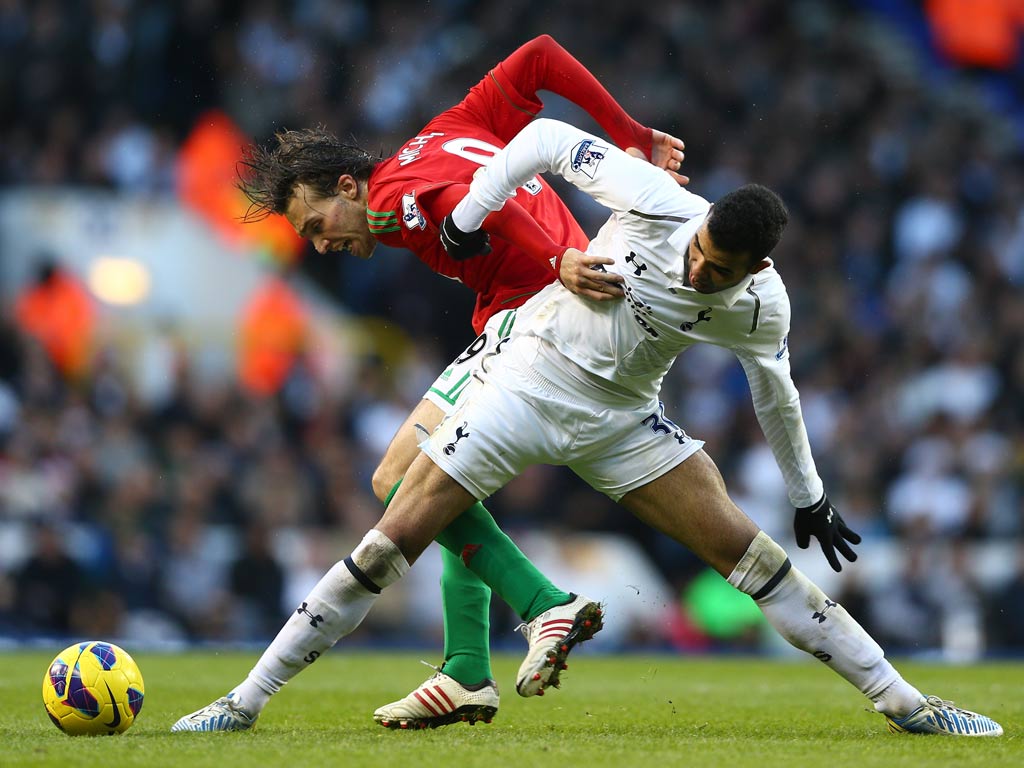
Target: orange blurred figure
977, 33
275, 328
57, 310
207, 184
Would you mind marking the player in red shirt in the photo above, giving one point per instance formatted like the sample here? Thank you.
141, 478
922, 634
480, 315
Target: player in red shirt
343, 199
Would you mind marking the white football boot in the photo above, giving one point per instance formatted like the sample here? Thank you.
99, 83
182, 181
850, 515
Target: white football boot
551, 636
441, 700
224, 714
938, 716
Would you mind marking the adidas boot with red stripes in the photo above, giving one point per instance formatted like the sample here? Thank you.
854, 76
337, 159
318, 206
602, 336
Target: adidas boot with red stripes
441, 700
552, 635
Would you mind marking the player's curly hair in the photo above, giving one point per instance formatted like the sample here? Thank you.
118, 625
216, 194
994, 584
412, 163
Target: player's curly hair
748, 220
267, 174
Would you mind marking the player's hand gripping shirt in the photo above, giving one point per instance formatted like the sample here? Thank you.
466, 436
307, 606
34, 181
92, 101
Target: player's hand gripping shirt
631, 344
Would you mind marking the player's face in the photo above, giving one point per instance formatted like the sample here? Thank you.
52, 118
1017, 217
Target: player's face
713, 270
336, 223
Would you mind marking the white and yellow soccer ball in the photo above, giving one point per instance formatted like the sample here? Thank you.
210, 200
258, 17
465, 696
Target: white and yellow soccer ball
93, 688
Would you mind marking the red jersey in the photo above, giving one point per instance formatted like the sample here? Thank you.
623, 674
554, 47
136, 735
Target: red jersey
449, 149
411, 192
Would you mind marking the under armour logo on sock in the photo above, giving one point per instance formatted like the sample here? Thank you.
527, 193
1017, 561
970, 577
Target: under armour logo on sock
313, 619
820, 615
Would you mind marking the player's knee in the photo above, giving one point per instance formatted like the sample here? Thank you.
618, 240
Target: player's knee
378, 559
383, 480
761, 568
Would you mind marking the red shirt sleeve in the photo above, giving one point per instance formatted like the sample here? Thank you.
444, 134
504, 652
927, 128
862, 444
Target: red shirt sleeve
543, 64
512, 223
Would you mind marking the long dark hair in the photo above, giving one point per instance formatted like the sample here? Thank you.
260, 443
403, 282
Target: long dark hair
267, 174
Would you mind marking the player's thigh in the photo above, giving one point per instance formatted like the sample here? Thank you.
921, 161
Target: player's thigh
426, 503
494, 434
405, 445
440, 398
690, 504
626, 447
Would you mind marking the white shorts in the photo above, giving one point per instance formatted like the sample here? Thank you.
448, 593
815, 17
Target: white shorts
449, 386
510, 417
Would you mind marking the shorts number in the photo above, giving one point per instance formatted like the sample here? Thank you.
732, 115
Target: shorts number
661, 424
492, 353
472, 350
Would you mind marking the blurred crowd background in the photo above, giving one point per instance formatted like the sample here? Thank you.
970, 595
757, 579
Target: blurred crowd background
141, 497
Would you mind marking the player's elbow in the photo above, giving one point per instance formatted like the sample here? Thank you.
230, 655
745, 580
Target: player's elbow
544, 44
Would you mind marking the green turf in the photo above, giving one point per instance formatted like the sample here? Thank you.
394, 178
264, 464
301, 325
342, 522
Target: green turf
620, 711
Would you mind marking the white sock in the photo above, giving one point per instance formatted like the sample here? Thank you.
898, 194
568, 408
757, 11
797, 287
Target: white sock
804, 616
336, 606
898, 700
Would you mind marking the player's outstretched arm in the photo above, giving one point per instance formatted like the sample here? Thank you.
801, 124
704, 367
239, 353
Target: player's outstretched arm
543, 64
605, 173
765, 360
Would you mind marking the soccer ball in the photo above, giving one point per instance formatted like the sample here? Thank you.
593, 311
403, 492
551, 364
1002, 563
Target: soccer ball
93, 688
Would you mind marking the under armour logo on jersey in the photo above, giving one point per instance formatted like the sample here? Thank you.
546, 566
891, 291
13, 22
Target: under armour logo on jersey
704, 316
314, 619
820, 615
638, 266
460, 432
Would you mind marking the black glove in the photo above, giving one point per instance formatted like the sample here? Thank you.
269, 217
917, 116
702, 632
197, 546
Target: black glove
822, 521
463, 245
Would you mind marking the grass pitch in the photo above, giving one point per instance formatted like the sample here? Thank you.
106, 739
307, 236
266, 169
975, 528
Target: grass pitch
620, 711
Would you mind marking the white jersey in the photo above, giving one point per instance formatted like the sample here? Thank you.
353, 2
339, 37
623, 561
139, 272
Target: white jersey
630, 345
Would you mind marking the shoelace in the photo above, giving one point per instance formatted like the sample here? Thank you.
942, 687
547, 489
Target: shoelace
935, 703
437, 670
235, 706
524, 629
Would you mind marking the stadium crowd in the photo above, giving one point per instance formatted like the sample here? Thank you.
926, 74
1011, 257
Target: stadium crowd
904, 261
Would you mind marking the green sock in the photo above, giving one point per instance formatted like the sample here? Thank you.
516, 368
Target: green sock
466, 604
467, 622
484, 547
475, 540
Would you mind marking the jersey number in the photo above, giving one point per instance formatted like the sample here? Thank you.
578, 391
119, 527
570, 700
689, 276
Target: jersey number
481, 153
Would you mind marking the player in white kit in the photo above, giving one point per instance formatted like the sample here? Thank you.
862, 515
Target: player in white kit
577, 384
